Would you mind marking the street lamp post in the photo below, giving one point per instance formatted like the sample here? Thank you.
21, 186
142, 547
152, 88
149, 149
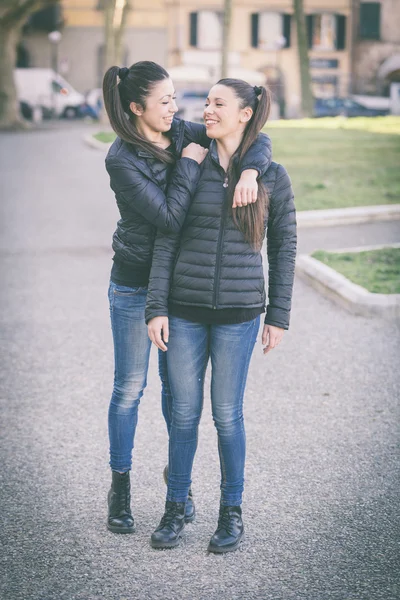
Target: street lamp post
54, 39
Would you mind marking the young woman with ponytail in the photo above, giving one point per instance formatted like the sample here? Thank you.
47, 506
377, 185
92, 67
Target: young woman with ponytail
154, 168
206, 295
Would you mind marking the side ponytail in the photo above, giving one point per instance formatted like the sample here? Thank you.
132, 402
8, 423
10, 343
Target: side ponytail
134, 87
250, 219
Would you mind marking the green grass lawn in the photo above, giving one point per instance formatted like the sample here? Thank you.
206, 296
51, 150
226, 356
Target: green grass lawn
336, 162
377, 271
105, 136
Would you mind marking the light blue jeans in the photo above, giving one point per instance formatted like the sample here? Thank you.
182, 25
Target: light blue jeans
131, 354
189, 348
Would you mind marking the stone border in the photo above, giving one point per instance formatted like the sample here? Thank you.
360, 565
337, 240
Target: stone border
347, 216
91, 141
350, 296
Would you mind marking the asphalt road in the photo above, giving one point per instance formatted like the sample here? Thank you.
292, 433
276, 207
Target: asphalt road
322, 493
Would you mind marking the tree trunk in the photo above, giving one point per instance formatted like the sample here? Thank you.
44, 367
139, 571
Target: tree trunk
13, 15
119, 36
115, 13
225, 37
307, 103
9, 107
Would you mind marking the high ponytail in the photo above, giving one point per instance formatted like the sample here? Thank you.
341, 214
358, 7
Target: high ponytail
134, 85
249, 219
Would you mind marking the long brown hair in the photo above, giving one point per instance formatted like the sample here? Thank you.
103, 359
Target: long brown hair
249, 219
134, 85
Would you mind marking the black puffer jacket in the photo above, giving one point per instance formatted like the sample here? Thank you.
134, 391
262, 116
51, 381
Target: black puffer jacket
140, 185
211, 265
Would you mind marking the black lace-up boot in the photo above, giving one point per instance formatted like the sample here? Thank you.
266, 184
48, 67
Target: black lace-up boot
229, 532
120, 518
190, 509
168, 533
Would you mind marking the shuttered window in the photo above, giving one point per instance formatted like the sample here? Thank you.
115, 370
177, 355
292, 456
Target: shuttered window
193, 29
206, 30
326, 31
370, 20
267, 30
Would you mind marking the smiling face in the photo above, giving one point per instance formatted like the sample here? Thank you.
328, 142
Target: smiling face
222, 113
160, 108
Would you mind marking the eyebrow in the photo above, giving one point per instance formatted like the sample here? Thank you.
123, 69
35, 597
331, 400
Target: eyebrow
223, 99
168, 95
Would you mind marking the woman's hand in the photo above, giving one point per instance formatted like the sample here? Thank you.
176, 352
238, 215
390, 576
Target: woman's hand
246, 190
158, 331
195, 152
271, 337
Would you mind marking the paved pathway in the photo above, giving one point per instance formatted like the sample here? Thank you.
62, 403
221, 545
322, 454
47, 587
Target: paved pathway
322, 415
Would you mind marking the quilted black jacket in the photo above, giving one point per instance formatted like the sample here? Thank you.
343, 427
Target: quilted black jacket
140, 182
211, 265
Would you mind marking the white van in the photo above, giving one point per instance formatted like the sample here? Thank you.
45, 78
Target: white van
46, 89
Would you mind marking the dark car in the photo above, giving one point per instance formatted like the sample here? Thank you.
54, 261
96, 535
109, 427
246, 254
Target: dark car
334, 107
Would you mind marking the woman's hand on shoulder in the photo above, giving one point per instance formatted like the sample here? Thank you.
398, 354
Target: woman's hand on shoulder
271, 337
246, 189
158, 331
195, 152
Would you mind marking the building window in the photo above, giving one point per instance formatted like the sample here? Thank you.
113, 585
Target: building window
370, 20
206, 30
326, 32
270, 30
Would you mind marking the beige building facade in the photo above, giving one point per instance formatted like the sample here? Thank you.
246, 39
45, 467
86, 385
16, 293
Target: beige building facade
344, 58
376, 57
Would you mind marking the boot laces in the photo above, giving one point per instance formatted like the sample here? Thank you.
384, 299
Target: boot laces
169, 515
224, 521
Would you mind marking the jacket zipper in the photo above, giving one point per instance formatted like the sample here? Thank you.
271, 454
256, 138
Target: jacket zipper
219, 246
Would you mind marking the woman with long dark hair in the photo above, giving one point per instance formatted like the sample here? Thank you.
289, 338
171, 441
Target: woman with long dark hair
206, 295
154, 167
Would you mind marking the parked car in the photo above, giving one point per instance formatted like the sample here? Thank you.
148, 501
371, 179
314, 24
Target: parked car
191, 104
347, 107
46, 89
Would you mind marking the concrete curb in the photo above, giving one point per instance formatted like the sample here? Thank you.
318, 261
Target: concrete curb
91, 141
350, 296
347, 216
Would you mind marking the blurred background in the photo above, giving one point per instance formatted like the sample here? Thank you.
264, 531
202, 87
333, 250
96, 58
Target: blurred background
345, 60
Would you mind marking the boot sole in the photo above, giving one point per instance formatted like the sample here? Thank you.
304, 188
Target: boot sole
222, 549
119, 530
161, 546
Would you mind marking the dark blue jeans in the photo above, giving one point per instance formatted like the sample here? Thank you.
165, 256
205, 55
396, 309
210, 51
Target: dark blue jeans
189, 348
131, 354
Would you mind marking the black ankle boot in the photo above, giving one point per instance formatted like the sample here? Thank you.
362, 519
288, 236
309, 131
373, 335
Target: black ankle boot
168, 533
120, 518
229, 532
190, 509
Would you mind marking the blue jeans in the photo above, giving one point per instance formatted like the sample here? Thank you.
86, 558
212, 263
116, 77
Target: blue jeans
189, 348
131, 355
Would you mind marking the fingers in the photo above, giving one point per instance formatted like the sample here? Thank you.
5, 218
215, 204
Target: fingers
244, 195
166, 333
195, 152
264, 338
271, 337
158, 333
